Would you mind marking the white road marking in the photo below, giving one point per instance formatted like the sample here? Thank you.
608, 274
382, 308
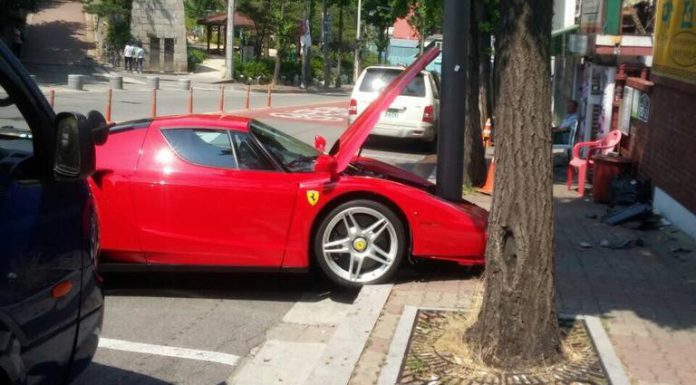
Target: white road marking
168, 351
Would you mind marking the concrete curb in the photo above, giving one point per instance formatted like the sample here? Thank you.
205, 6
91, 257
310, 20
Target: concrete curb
345, 347
611, 362
397, 350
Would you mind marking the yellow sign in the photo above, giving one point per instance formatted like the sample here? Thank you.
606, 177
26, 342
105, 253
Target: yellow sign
312, 197
674, 51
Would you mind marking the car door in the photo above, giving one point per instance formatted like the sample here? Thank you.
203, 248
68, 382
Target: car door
41, 237
210, 196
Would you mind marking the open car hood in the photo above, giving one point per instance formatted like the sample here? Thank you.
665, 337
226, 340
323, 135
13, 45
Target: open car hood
355, 135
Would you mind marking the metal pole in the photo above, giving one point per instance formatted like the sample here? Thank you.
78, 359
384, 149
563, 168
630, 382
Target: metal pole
154, 103
221, 104
325, 30
450, 146
356, 55
229, 41
108, 106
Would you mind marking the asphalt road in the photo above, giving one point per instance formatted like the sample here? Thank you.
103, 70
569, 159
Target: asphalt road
176, 328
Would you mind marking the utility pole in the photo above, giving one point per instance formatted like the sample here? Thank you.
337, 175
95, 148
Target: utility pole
229, 41
450, 142
356, 56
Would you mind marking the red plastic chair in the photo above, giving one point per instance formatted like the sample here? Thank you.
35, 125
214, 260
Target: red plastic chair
603, 145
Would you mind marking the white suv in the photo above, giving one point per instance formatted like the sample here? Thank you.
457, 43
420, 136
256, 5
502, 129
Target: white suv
413, 114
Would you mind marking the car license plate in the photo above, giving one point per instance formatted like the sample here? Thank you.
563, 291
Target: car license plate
391, 113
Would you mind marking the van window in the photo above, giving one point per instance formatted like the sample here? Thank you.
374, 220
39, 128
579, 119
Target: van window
14, 130
377, 78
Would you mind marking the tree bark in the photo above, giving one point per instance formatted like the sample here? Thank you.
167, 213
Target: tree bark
474, 153
517, 325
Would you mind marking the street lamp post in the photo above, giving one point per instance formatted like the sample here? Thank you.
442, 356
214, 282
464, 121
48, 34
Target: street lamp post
356, 56
229, 41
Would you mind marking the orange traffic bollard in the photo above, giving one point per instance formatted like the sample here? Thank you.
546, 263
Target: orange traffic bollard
154, 102
190, 101
268, 98
246, 102
107, 112
52, 97
490, 179
221, 104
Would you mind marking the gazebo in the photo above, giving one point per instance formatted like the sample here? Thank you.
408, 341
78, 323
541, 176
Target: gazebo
218, 21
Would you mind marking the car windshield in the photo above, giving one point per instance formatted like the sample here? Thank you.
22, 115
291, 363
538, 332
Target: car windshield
377, 78
293, 154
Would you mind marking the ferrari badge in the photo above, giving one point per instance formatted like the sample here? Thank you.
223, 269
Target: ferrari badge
312, 197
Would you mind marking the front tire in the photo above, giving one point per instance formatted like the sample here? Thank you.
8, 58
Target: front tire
360, 242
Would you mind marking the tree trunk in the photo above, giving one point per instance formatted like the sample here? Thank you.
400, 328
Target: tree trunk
280, 46
486, 86
517, 326
339, 55
474, 153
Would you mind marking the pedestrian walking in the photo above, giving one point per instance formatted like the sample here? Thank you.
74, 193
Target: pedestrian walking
139, 58
17, 41
128, 56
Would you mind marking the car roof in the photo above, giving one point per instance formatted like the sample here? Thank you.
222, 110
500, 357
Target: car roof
238, 123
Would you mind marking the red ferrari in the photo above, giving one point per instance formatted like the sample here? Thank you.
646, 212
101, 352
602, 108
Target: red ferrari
226, 191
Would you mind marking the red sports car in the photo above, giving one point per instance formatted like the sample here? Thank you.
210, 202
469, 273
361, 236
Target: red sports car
226, 191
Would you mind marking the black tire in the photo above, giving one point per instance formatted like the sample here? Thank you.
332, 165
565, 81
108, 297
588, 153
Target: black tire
330, 264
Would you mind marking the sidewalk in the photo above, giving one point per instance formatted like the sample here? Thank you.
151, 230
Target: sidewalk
645, 296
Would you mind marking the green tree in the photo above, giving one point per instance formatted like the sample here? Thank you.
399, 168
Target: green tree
117, 12
285, 28
378, 14
264, 23
425, 16
198, 9
14, 11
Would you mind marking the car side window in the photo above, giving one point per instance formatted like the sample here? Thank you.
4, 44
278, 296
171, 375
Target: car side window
202, 146
248, 154
435, 86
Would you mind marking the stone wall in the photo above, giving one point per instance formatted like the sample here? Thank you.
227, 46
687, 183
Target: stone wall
159, 26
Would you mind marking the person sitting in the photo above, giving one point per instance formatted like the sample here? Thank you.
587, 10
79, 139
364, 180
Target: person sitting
561, 132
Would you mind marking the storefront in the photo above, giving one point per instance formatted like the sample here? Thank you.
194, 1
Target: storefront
659, 116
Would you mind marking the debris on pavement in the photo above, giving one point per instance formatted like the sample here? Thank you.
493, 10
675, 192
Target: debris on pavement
679, 250
604, 243
634, 211
586, 245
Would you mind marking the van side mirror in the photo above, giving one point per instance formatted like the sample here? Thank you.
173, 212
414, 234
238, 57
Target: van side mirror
76, 136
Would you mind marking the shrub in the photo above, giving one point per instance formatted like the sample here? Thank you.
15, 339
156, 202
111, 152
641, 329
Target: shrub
194, 57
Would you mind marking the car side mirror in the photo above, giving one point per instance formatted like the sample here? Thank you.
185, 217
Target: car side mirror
326, 163
76, 136
320, 143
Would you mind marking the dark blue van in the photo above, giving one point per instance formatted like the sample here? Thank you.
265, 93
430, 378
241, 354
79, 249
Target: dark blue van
51, 304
